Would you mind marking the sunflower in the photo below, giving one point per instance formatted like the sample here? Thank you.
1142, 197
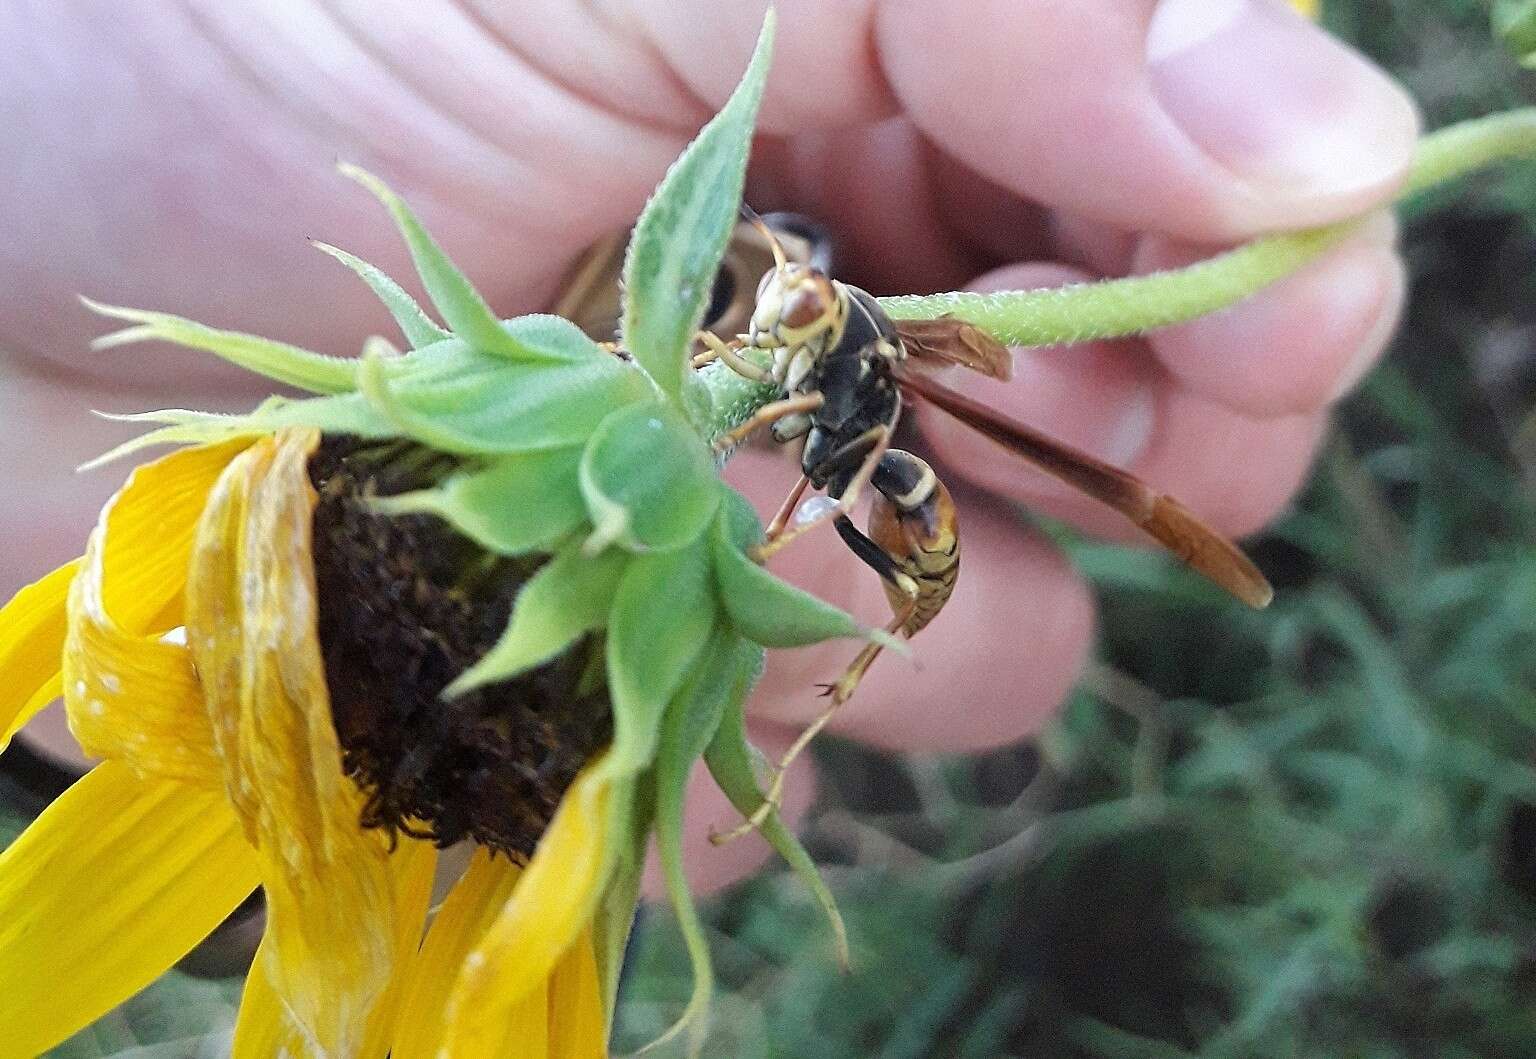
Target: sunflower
222, 770
487, 590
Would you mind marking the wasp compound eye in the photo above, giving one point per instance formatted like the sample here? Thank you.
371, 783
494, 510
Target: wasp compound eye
803, 306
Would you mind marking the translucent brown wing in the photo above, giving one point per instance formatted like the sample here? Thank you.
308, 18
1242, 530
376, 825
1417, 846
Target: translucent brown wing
949, 340
1161, 516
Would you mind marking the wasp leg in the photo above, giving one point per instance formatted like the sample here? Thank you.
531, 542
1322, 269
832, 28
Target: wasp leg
718, 349
787, 508
881, 563
774, 410
864, 453
915, 548
903, 592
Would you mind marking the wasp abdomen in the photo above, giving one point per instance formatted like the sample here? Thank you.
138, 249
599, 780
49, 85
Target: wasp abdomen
913, 521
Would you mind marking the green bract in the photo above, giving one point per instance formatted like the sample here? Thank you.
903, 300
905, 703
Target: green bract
565, 450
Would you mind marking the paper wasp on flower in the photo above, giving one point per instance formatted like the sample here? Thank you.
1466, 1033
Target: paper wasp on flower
845, 370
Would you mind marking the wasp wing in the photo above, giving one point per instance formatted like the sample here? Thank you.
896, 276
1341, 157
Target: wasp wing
949, 340
1173, 525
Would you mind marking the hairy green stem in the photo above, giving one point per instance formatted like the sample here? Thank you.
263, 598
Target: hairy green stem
1119, 307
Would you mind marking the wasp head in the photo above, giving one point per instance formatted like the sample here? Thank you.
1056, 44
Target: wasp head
795, 304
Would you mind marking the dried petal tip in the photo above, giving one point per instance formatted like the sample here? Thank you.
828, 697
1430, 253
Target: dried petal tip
406, 604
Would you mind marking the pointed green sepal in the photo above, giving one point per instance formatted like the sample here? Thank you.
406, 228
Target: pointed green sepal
615, 915
181, 426
721, 679
662, 616
766, 609
418, 328
554, 338
374, 384
451, 292
459, 400
681, 236
731, 762
569, 596
275, 360
649, 480
525, 503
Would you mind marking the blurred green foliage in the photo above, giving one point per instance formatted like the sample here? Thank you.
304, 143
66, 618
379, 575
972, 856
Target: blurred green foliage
1305, 832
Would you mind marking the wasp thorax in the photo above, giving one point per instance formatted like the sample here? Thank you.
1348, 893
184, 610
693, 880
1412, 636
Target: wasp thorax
405, 605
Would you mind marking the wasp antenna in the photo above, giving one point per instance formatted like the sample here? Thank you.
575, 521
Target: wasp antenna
779, 259
755, 219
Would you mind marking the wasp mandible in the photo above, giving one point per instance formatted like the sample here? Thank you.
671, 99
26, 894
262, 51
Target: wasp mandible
845, 369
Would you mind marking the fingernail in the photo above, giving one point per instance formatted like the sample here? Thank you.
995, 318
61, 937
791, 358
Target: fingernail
1275, 100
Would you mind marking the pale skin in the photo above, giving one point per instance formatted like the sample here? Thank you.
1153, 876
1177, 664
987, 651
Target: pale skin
178, 156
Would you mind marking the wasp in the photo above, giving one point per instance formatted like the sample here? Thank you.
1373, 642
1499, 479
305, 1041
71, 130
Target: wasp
845, 370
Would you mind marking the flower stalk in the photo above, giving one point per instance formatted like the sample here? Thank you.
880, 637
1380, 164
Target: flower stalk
1082, 312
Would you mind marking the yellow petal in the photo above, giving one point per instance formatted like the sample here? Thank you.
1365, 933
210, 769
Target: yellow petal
117, 880
578, 1023
550, 909
143, 539
132, 697
414, 865
264, 1029
470, 908
31, 645
525, 1031
563, 1017
251, 624
148, 528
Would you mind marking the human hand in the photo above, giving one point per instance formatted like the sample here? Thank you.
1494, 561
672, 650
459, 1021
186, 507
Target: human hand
1024, 142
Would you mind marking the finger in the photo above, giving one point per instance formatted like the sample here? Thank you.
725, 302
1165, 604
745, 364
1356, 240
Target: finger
1207, 121
211, 155
51, 432
988, 671
874, 190
1103, 249
1297, 345
1114, 401
708, 811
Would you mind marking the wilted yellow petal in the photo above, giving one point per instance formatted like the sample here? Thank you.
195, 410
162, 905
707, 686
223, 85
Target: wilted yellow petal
469, 910
117, 880
414, 865
31, 645
578, 1025
132, 697
148, 529
264, 1029
251, 623
551, 907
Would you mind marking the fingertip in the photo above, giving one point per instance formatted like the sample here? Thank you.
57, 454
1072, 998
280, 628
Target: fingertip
1207, 119
1306, 129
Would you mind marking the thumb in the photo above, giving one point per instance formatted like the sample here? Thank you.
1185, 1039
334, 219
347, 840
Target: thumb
1208, 119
